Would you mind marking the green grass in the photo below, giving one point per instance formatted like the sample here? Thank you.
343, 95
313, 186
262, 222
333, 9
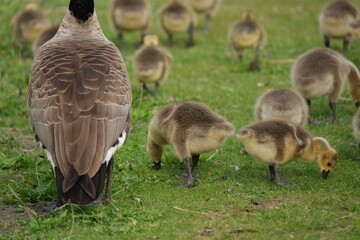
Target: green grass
221, 206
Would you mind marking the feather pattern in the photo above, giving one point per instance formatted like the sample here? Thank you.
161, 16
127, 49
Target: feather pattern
79, 99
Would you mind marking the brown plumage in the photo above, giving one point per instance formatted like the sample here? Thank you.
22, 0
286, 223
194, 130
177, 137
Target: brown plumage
282, 103
335, 20
190, 129
356, 127
207, 7
79, 101
176, 16
152, 62
247, 34
322, 71
44, 37
130, 15
28, 24
277, 142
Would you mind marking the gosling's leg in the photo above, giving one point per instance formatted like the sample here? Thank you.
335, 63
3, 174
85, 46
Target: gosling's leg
255, 64
195, 160
207, 22
275, 175
121, 37
332, 106
190, 178
146, 88
107, 196
327, 41
190, 41
311, 120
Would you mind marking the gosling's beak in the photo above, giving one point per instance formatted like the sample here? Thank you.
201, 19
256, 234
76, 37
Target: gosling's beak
325, 174
357, 104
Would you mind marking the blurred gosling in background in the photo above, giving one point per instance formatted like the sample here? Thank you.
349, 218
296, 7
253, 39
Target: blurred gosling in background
207, 7
28, 24
247, 34
152, 63
176, 17
130, 15
335, 21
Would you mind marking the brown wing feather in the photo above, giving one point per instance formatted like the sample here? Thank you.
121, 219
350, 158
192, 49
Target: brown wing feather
79, 99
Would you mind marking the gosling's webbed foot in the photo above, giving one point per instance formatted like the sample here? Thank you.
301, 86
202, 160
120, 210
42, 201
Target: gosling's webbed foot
331, 119
254, 66
157, 166
314, 121
105, 199
51, 206
185, 180
281, 182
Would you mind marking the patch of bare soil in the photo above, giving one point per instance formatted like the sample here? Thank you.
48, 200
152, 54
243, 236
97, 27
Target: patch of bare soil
9, 216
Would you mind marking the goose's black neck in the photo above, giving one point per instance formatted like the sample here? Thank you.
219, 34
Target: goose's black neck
82, 10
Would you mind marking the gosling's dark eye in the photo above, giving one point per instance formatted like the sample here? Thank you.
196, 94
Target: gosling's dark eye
329, 164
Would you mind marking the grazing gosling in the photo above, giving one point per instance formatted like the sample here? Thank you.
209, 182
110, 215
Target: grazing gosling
356, 127
175, 17
44, 37
208, 7
28, 24
276, 142
335, 20
152, 63
247, 34
191, 129
130, 15
323, 71
282, 103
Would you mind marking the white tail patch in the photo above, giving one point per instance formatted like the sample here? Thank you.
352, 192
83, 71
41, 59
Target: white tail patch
48, 155
110, 153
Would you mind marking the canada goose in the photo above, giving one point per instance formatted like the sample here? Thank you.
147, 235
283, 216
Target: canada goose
322, 71
277, 142
152, 62
208, 7
247, 34
335, 20
28, 25
356, 127
130, 15
283, 103
79, 100
44, 37
176, 16
191, 129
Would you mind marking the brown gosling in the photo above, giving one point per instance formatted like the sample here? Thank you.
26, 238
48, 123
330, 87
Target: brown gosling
207, 7
335, 20
44, 37
28, 24
247, 34
175, 17
323, 71
152, 63
130, 15
277, 142
282, 103
190, 129
356, 127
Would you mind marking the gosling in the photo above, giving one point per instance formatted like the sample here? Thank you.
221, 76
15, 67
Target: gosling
335, 20
130, 15
152, 63
276, 142
207, 7
322, 71
28, 24
190, 129
356, 127
282, 103
247, 34
44, 37
175, 17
